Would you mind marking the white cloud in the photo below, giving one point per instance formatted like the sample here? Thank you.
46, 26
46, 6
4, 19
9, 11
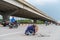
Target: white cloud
43, 2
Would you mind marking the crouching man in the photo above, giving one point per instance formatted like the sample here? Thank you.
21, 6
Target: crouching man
31, 30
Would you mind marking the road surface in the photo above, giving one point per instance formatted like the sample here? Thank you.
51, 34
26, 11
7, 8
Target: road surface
52, 31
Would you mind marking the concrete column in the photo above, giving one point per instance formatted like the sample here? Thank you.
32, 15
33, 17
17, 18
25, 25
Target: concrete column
35, 21
6, 17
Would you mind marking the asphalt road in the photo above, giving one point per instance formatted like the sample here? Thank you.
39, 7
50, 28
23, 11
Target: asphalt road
50, 32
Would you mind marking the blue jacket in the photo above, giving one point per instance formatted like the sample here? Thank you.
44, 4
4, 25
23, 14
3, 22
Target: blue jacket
30, 29
12, 20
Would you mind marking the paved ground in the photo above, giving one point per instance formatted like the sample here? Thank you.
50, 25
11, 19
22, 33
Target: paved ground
51, 32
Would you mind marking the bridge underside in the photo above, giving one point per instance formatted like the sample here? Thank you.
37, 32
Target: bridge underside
7, 10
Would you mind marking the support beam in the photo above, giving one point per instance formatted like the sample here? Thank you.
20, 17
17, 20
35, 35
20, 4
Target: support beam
6, 17
34, 21
14, 12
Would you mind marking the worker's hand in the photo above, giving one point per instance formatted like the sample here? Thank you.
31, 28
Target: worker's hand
33, 33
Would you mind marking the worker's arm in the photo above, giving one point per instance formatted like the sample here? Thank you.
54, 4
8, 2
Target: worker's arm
36, 28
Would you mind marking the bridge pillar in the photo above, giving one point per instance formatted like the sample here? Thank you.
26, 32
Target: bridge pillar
34, 21
6, 17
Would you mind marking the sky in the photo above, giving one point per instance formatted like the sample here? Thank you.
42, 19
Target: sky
50, 7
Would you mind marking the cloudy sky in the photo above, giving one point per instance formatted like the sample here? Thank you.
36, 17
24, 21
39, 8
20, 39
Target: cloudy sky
50, 7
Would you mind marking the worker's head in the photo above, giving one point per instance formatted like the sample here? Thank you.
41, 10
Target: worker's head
34, 25
12, 16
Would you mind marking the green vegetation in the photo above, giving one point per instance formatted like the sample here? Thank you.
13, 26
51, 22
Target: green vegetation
40, 22
29, 21
0, 19
24, 21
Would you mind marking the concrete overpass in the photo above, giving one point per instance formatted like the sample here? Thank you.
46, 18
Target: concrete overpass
21, 8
